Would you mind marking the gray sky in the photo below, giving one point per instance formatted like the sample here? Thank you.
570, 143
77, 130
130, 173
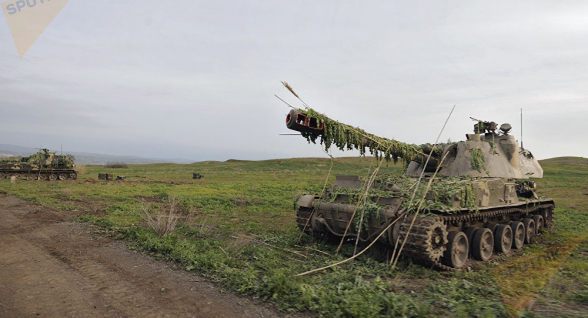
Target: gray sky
196, 79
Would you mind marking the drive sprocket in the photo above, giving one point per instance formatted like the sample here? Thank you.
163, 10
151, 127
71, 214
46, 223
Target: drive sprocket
426, 241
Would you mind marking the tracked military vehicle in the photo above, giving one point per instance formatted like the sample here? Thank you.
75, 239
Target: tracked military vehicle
481, 200
43, 165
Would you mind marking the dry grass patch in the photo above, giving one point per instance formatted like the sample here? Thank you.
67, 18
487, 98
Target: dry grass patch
81, 169
162, 222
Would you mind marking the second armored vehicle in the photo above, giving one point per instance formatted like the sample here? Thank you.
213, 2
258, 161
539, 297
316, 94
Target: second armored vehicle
43, 165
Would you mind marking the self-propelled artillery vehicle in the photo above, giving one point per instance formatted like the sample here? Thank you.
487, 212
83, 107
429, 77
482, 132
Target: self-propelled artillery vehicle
43, 165
481, 199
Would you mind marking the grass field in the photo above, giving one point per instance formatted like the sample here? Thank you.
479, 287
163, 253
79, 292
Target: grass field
236, 226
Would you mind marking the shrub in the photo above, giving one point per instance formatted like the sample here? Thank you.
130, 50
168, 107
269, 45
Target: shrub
116, 164
162, 223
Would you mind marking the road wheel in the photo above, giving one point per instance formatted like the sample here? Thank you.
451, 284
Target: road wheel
456, 253
539, 224
518, 230
30, 177
62, 176
483, 244
469, 232
73, 175
2, 175
52, 177
529, 230
503, 238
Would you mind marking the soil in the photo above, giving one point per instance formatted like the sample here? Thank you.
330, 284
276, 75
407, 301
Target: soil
50, 267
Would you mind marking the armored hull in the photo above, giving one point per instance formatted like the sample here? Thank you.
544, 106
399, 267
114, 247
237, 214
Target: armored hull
35, 174
449, 238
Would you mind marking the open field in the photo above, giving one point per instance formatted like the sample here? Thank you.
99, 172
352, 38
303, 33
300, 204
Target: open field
236, 227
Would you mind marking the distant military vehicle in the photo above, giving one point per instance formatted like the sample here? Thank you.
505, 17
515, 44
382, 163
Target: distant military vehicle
43, 165
481, 202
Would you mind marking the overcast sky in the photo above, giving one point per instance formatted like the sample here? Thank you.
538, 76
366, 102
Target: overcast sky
196, 79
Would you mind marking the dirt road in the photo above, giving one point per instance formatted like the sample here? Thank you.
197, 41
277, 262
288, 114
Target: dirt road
50, 267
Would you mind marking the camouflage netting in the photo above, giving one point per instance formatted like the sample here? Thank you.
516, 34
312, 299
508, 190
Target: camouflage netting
38, 158
440, 196
346, 137
66, 160
9, 159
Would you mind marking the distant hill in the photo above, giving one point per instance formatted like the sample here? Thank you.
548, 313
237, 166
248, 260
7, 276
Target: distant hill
86, 158
565, 160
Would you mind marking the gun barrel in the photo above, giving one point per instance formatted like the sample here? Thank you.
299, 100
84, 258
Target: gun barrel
314, 125
299, 121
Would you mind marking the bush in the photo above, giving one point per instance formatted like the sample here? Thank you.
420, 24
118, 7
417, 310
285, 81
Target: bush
162, 223
116, 164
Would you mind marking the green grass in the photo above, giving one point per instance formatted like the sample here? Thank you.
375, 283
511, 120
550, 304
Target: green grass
237, 228
566, 180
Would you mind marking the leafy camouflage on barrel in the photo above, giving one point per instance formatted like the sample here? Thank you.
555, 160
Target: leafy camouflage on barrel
43, 165
482, 202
